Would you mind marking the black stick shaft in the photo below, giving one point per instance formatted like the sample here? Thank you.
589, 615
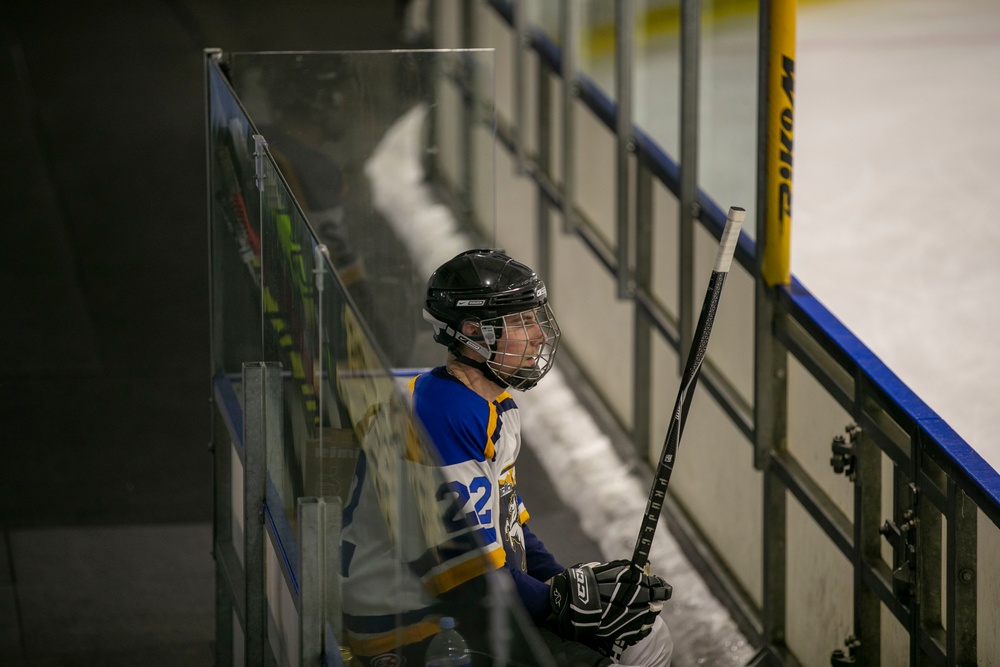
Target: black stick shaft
689, 380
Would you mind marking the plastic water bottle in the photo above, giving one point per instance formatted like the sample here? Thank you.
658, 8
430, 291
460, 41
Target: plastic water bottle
448, 648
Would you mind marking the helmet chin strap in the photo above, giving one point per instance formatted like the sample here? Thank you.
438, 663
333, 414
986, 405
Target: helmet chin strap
482, 367
479, 346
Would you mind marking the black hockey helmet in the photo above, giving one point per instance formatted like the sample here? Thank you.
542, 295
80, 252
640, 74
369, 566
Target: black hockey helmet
498, 295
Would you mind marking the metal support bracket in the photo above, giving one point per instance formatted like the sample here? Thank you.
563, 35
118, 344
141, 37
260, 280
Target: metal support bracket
903, 539
844, 459
842, 657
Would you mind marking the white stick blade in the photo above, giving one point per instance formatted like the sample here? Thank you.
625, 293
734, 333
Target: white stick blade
730, 235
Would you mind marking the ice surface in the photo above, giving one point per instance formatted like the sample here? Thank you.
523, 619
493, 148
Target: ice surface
896, 159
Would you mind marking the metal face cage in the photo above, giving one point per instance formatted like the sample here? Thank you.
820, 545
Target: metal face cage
524, 345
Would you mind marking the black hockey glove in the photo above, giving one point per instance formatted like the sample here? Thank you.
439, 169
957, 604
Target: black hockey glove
600, 604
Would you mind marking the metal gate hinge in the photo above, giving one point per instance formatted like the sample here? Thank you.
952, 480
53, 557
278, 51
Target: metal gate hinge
844, 459
903, 539
841, 657
260, 147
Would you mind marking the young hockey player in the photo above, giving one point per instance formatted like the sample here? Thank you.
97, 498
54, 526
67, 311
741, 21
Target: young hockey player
493, 315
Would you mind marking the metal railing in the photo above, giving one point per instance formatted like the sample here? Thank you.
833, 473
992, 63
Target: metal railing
878, 558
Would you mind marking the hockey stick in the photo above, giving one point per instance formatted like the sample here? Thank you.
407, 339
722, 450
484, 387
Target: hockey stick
658, 492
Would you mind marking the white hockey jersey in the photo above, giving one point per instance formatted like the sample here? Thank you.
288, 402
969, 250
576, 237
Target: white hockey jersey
413, 530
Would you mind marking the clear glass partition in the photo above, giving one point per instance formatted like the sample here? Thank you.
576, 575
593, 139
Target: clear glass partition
351, 133
316, 301
234, 230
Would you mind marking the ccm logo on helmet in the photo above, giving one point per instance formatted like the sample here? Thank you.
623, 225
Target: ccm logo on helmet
470, 303
581, 586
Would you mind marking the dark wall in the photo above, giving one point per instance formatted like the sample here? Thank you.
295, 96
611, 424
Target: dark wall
104, 376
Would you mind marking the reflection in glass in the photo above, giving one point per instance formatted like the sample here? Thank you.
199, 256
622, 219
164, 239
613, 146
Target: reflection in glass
306, 273
290, 331
235, 231
326, 116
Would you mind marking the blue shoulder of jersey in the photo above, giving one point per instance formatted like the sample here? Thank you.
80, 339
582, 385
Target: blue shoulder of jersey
455, 418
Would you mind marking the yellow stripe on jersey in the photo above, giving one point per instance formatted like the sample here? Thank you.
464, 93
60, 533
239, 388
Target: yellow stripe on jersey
491, 427
414, 450
473, 565
372, 645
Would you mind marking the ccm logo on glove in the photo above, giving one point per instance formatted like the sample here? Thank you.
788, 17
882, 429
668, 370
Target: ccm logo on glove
582, 591
601, 604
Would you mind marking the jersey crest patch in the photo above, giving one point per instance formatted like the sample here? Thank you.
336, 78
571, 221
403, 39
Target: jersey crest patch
513, 533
